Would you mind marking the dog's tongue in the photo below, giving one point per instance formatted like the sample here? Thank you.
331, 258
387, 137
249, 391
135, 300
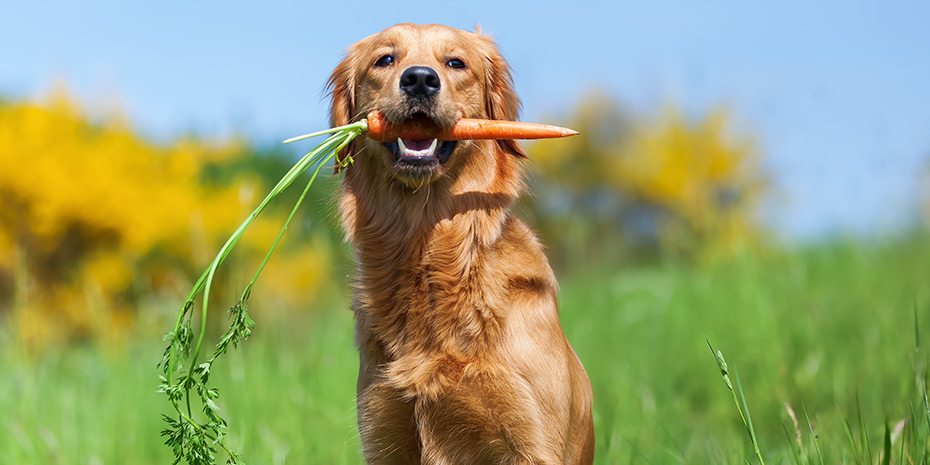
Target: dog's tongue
417, 144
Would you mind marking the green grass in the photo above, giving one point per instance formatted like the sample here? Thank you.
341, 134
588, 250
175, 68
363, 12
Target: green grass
829, 330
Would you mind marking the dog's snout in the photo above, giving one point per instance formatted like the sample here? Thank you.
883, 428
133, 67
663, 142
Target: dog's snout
419, 81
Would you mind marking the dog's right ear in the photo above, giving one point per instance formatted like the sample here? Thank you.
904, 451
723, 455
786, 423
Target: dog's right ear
341, 85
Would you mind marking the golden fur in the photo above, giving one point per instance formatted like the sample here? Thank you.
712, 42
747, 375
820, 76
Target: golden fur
462, 358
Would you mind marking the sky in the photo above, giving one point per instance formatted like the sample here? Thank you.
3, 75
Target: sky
837, 94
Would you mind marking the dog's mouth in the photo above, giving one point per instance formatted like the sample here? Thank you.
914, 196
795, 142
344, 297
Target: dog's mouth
420, 153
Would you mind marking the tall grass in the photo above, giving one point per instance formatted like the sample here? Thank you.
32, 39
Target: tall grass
829, 331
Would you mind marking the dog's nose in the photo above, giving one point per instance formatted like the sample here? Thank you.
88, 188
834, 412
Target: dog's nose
419, 81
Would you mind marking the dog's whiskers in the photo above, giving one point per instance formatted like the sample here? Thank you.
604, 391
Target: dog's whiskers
429, 190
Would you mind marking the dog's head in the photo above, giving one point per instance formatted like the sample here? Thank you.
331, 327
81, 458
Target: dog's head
429, 72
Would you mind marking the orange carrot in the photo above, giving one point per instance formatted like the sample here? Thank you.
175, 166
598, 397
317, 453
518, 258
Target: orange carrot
380, 129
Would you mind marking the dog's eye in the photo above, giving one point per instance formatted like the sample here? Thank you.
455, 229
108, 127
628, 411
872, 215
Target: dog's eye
385, 61
455, 63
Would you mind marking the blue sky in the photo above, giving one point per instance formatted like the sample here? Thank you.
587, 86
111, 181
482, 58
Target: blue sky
838, 93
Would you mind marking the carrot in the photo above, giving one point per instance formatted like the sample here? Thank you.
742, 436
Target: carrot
380, 129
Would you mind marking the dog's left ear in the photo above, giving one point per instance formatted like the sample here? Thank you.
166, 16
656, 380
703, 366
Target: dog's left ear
501, 101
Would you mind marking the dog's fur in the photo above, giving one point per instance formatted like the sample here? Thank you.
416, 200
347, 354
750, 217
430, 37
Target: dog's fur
463, 360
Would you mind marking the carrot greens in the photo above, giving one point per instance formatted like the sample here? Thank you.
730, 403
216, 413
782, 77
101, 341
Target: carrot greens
193, 437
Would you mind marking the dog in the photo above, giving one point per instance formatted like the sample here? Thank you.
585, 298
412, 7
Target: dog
462, 357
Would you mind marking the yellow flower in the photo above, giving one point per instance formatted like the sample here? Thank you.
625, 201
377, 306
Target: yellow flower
102, 216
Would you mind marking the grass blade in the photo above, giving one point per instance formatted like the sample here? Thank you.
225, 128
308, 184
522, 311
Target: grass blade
796, 454
886, 449
752, 431
747, 421
810, 428
863, 432
851, 441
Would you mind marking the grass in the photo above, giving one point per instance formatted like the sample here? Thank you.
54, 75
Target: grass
828, 331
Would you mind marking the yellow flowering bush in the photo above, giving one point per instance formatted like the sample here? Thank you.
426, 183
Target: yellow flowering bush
680, 183
96, 223
709, 179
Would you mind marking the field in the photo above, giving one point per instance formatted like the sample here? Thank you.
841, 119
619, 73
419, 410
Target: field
828, 330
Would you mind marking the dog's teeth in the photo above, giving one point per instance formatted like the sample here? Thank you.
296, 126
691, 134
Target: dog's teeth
408, 152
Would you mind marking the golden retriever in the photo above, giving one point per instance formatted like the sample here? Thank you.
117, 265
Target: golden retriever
462, 357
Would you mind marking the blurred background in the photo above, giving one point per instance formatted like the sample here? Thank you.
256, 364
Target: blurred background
754, 173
